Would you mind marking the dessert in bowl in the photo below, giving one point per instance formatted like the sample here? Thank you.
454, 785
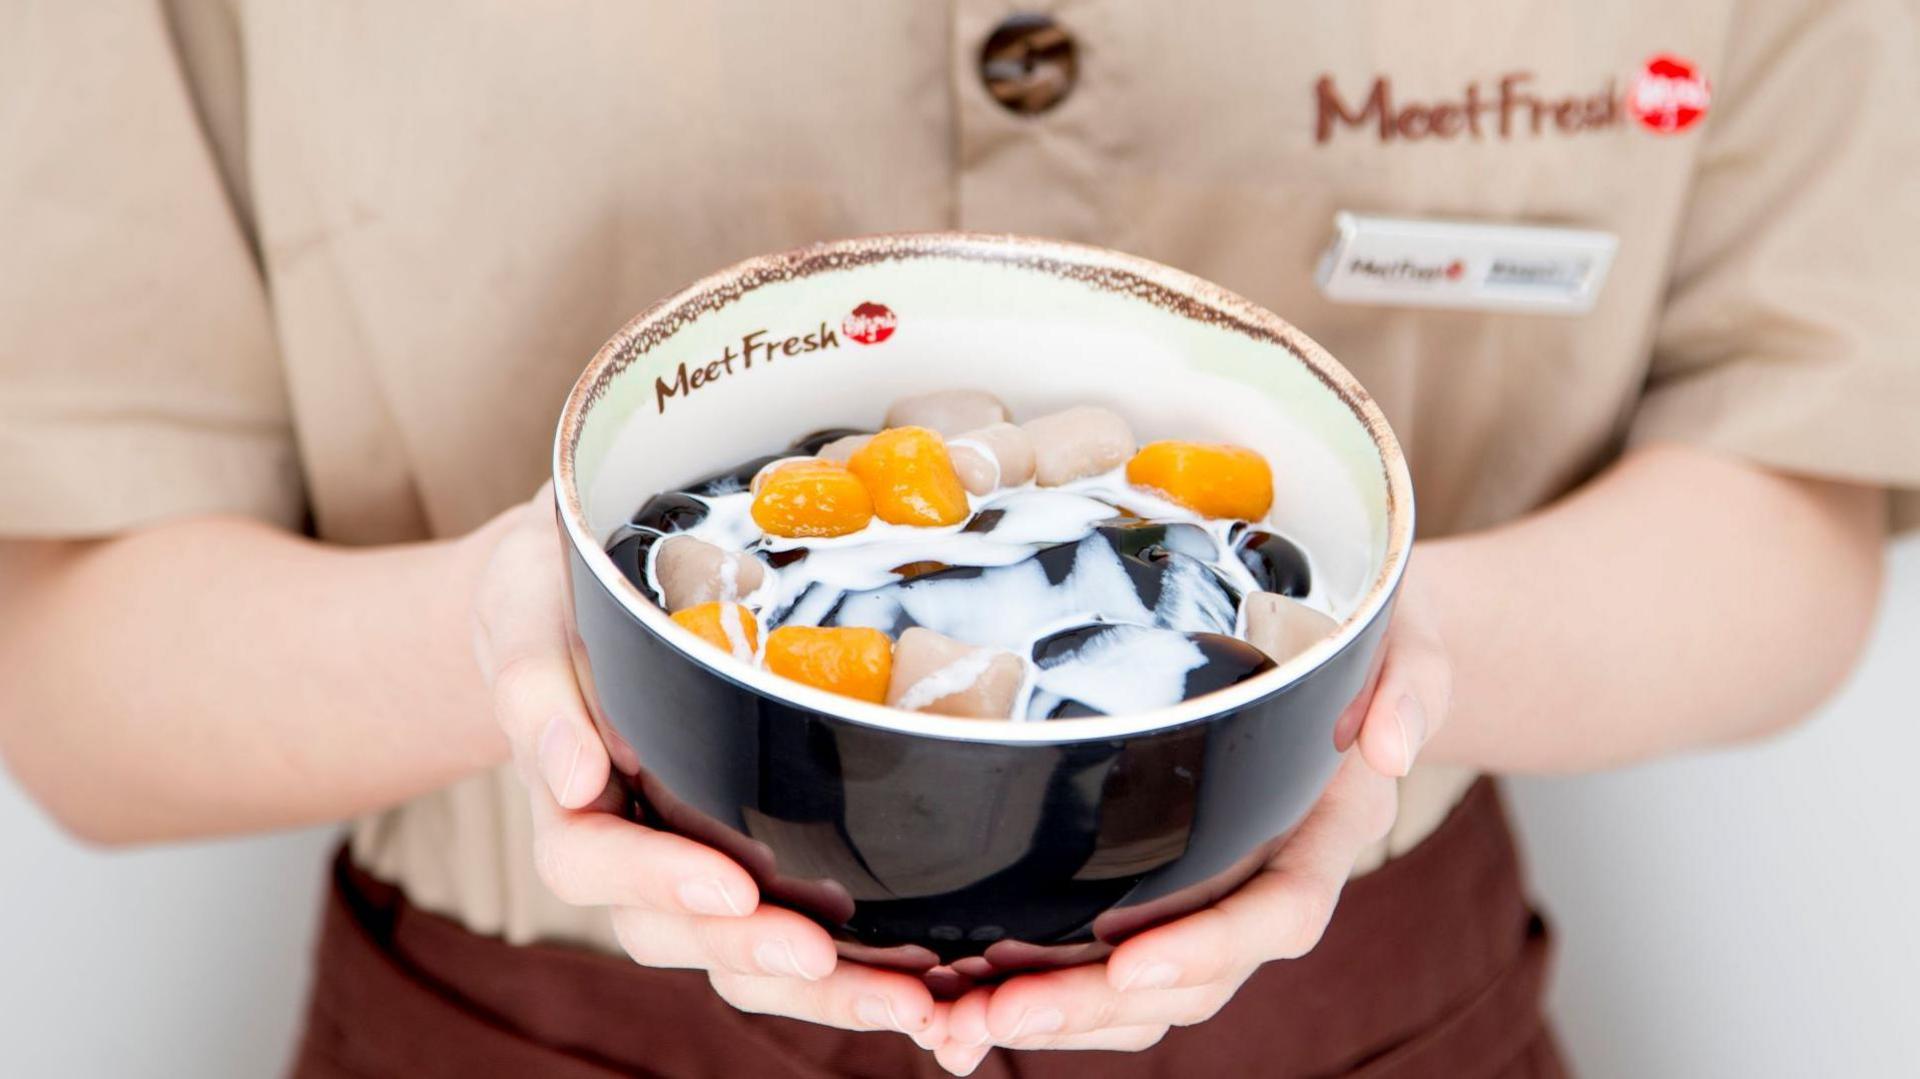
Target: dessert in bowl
1054, 651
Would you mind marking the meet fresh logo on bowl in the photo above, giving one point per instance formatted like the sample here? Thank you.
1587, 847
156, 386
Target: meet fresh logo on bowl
868, 324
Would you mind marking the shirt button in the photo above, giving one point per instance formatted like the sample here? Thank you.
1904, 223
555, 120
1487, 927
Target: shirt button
1028, 64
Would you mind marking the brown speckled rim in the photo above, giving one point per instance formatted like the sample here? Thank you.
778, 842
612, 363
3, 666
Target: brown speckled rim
1150, 282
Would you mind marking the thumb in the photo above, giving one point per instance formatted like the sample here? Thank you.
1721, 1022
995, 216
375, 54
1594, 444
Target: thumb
521, 643
1410, 702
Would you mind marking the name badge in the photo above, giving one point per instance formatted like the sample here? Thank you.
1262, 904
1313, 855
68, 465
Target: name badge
1411, 262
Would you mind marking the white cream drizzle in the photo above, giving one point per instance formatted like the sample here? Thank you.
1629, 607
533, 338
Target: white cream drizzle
1123, 668
736, 630
1011, 604
956, 677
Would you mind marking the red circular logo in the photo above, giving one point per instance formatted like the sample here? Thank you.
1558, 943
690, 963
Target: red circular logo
1669, 95
1456, 270
870, 323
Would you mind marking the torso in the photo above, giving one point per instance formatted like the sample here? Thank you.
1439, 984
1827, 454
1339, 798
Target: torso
456, 207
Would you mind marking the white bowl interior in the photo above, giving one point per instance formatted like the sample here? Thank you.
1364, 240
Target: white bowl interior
1039, 340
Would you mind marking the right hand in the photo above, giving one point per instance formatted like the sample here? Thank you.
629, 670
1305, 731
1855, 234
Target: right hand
675, 902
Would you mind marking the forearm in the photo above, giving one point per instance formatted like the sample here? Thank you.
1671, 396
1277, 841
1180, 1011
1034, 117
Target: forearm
220, 676
1680, 599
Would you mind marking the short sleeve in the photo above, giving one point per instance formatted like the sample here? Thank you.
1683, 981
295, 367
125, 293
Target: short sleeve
1791, 334
138, 375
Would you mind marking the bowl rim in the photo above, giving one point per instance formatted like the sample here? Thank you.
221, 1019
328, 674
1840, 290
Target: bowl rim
1175, 290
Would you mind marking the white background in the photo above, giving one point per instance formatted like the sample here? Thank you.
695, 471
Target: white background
1750, 913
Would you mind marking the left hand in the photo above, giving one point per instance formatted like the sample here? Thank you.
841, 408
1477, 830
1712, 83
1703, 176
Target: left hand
1184, 972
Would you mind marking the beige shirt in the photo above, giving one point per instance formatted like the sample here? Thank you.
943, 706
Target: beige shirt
337, 264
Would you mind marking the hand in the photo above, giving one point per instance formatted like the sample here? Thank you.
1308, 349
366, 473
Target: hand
675, 902
1184, 972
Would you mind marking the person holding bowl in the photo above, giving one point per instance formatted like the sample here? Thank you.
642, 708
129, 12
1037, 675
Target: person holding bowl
291, 294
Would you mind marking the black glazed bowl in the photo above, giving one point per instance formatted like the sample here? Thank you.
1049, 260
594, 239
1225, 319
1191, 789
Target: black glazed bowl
924, 839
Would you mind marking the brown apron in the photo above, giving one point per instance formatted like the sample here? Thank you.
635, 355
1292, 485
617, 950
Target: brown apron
1433, 966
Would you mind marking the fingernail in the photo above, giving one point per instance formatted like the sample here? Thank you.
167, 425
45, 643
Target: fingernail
967, 1067
1151, 976
776, 957
877, 1012
559, 758
1413, 728
1035, 1021
707, 896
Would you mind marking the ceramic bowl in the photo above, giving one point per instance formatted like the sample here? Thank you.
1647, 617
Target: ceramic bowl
922, 839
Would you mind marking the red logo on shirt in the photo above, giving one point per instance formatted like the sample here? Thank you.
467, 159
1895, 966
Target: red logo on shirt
870, 323
1669, 95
